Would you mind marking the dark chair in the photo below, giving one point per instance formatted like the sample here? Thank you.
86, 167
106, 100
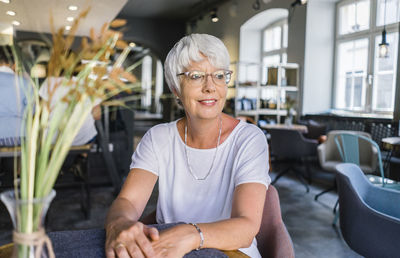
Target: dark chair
369, 215
293, 148
315, 130
273, 240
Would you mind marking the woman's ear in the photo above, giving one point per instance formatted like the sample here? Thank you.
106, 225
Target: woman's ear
177, 98
176, 94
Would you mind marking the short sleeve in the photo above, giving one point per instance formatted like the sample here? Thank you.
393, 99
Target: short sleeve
253, 159
145, 156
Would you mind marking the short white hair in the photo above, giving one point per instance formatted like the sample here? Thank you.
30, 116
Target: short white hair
190, 49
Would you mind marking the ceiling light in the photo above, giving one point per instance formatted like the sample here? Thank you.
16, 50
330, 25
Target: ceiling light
67, 27
70, 19
5, 1
132, 44
11, 13
384, 46
16, 23
214, 17
72, 7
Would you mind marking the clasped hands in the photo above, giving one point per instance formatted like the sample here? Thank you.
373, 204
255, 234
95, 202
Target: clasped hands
134, 239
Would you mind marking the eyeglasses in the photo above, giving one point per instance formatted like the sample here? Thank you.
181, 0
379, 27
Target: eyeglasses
197, 78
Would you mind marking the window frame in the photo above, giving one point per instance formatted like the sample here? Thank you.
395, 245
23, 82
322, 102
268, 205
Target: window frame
369, 34
282, 50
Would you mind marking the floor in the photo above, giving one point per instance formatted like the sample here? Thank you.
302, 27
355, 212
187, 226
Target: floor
308, 221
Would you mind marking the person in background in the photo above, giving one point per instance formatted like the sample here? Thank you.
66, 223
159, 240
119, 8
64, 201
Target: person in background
88, 131
212, 169
86, 134
13, 99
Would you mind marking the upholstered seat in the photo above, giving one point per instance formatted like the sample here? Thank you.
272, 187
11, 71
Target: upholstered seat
369, 214
329, 155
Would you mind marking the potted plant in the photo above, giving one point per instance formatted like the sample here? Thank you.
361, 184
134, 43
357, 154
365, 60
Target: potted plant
50, 129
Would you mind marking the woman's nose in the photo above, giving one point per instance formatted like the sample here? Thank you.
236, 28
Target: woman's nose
209, 84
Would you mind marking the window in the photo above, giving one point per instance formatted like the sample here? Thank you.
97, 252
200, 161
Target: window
363, 81
274, 44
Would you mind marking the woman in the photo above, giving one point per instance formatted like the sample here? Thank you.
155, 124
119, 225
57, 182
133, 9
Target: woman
212, 169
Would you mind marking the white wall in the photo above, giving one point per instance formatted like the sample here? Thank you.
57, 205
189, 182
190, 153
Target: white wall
319, 53
228, 30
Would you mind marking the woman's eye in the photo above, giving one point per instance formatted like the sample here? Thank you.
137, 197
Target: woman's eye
219, 76
195, 76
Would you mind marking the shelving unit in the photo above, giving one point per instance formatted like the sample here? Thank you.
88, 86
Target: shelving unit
254, 98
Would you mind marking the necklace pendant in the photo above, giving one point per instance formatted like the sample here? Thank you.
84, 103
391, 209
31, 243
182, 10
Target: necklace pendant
215, 153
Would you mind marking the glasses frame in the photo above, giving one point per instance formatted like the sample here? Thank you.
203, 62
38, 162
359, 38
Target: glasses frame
230, 72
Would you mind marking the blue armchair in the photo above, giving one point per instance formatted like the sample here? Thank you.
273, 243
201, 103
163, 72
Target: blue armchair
369, 215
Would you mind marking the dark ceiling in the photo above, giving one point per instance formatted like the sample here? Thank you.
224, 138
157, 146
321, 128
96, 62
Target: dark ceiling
168, 9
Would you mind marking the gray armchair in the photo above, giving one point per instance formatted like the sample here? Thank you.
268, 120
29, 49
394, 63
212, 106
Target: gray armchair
369, 214
329, 156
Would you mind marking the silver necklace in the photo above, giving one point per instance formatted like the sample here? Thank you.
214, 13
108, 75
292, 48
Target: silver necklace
215, 154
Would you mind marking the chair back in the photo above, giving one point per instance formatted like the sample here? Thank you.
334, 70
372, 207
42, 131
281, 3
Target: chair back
349, 149
332, 152
273, 239
287, 143
369, 215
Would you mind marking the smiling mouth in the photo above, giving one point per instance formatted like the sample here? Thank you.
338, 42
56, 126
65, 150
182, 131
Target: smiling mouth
208, 101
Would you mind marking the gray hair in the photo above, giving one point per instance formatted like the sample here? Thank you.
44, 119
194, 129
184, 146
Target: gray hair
192, 48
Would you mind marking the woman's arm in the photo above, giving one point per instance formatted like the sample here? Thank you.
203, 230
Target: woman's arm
96, 112
230, 234
124, 234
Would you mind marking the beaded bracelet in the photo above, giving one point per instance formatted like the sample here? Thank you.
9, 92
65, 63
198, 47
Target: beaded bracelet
201, 235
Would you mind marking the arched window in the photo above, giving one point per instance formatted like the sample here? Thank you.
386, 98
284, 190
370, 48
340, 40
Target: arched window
274, 44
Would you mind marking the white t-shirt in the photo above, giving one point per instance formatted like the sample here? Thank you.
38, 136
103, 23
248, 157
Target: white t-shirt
241, 158
88, 130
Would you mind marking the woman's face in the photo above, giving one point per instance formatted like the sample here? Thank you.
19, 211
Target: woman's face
203, 100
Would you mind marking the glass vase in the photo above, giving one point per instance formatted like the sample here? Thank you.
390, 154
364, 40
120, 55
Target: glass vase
29, 237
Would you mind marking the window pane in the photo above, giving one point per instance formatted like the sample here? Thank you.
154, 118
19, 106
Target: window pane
285, 35
354, 17
384, 75
392, 12
352, 70
272, 38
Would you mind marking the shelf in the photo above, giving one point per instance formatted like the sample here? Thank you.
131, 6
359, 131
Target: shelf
247, 112
268, 111
240, 86
289, 88
275, 87
286, 74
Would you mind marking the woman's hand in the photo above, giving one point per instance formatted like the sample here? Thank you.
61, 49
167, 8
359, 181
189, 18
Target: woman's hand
125, 238
176, 241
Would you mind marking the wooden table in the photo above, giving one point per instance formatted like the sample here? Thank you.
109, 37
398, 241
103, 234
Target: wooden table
297, 127
90, 243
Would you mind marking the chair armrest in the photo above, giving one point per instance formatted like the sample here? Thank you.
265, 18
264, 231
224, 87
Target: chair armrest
321, 150
310, 146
